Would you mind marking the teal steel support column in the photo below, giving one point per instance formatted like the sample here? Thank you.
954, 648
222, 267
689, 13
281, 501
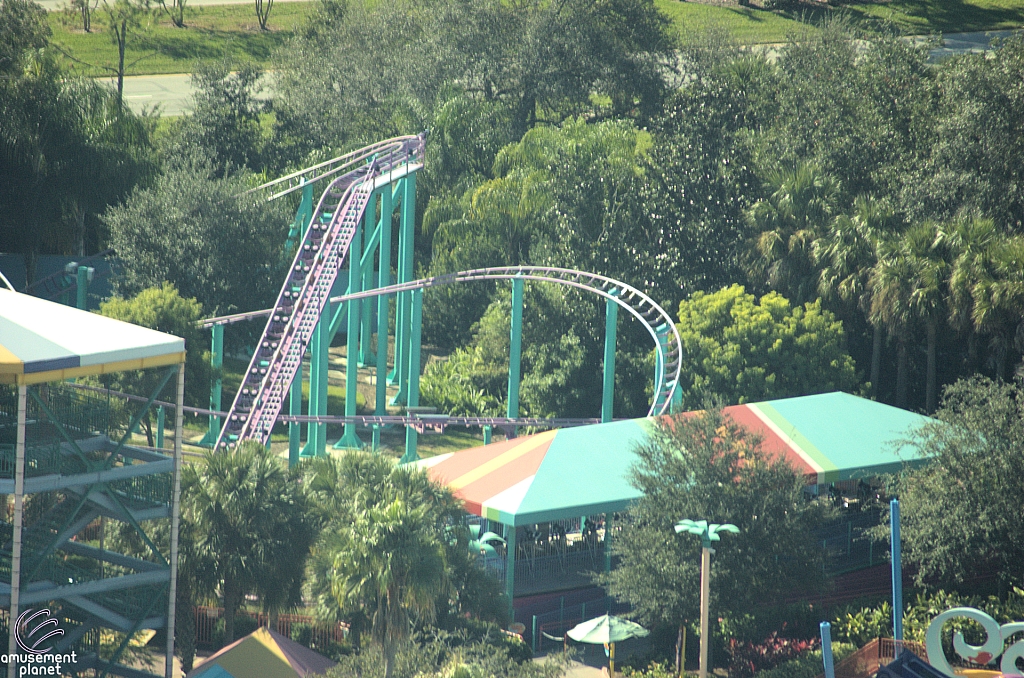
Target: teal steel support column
366, 351
414, 372
316, 436
375, 444
160, 418
216, 386
380, 407
366, 281
611, 317
487, 434
510, 565
294, 428
515, 352
350, 440
661, 333
405, 274
82, 296
303, 215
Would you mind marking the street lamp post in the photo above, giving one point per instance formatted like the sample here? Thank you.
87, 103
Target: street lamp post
708, 533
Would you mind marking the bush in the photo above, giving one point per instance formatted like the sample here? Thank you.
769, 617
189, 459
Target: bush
303, 635
749, 658
809, 665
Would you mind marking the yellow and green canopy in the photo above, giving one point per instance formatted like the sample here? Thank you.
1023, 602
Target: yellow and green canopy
43, 341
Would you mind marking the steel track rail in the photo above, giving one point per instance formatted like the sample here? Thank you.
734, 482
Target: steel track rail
654, 318
328, 168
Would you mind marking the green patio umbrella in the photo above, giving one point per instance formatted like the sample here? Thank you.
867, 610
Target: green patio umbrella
606, 629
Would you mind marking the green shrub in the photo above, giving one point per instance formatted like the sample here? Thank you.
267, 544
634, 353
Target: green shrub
807, 666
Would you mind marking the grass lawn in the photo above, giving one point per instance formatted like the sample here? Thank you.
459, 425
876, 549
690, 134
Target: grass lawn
212, 33
230, 32
910, 17
747, 25
918, 17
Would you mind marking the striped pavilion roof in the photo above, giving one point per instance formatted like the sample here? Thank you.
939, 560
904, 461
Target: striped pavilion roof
43, 341
584, 470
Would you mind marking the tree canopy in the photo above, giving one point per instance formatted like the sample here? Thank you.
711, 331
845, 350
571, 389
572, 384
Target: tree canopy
958, 513
705, 467
744, 349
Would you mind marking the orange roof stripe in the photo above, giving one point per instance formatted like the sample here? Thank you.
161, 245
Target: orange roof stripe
524, 447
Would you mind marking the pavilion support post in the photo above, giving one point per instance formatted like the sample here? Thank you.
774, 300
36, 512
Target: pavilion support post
19, 516
611, 317
515, 351
380, 407
179, 411
411, 434
350, 440
510, 565
216, 386
294, 427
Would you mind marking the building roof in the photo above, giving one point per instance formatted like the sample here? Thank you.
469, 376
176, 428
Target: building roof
43, 341
585, 470
263, 654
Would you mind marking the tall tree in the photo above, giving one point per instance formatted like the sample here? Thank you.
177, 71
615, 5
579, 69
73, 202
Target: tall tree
910, 285
705, 467
392, 550
23, 27
253, 518
846, 253
191, 230
123, 18
977, 449
742, 349
787, 224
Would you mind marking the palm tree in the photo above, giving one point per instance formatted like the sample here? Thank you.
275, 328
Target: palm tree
254, 521
391, 559
971, 242
909, 285
787, 225
847, 253
998, 298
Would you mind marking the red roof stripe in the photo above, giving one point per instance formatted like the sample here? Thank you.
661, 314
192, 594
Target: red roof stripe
512, 473
771, 442
463, 462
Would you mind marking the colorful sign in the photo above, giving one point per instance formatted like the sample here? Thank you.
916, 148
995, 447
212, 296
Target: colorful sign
995, 640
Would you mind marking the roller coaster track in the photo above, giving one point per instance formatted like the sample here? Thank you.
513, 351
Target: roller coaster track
654, 318
304, 294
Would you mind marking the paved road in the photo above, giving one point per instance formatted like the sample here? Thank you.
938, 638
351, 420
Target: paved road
172, 92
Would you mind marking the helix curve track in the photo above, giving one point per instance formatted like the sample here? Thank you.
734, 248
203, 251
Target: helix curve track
319, 257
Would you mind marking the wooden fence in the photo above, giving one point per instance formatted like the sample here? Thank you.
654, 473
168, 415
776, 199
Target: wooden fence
867, 660
322, 633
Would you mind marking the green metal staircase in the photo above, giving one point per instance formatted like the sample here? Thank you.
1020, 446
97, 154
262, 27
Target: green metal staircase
78, 470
